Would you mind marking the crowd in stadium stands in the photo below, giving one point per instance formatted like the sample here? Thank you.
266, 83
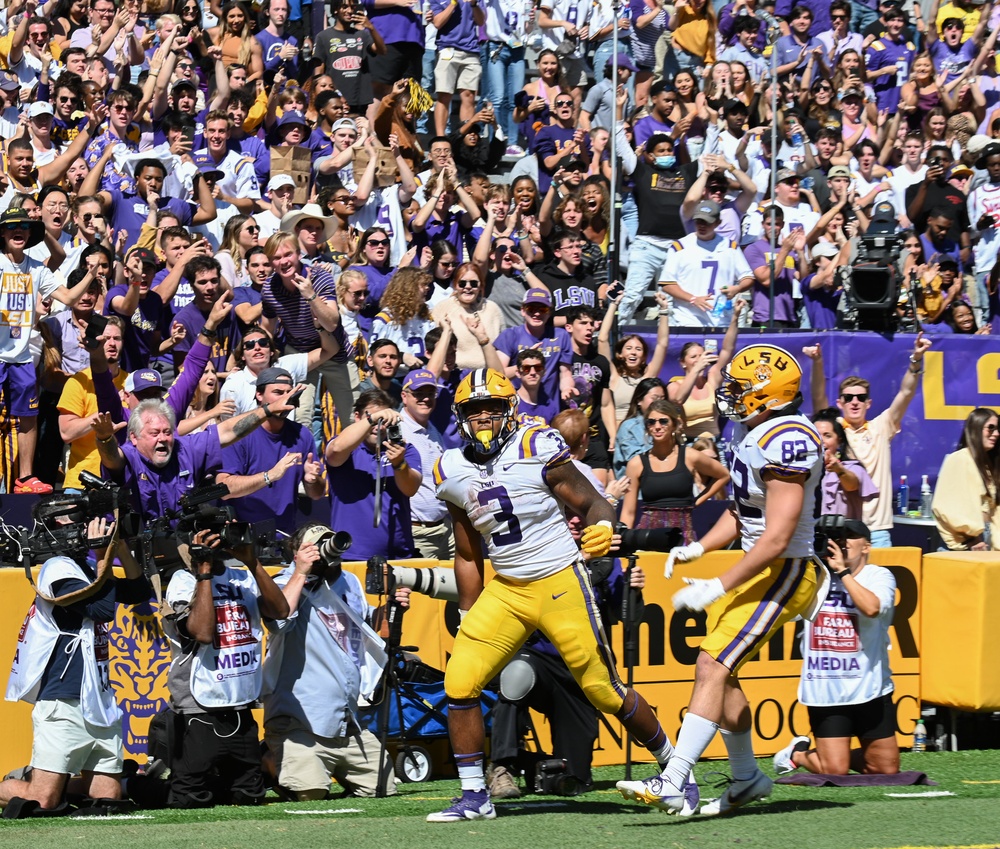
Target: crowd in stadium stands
263, 244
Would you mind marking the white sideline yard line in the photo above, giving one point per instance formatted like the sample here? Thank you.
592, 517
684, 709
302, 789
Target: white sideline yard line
327, 812
924, 795
115, 817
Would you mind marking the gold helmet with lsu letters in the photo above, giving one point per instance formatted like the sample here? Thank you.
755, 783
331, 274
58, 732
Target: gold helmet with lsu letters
486, 384
758, 378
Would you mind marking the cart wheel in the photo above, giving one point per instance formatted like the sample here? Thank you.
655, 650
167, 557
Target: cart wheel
413, 764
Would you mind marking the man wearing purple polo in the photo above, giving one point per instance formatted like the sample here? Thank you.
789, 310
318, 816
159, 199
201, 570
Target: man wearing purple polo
353, 468
553, 343
790, 258
888, 61
263, 471
459, 66
159, 467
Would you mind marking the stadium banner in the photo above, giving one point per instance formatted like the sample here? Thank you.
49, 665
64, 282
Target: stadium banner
668, 648
960, 374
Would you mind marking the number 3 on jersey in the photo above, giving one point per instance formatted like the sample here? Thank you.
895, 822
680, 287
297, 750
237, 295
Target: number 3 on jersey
504, 516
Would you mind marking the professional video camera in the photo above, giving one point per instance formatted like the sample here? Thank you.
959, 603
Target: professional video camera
829, 528
159, 543
382, 578
50, 537
872, 283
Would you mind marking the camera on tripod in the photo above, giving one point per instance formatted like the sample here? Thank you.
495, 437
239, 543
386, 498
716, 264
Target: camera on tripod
382, 578
872, 283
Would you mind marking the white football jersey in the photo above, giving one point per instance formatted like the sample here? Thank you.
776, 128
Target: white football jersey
703, 268
511, 505
784, 446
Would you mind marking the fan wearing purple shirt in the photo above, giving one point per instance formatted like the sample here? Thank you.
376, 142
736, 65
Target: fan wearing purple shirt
561, 138
537, 332
355, 467
128, 211
263, 471
205, 275
948, 51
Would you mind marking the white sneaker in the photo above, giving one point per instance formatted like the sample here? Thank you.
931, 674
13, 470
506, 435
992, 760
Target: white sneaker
783, 763
692, 796
655, 791
738, 794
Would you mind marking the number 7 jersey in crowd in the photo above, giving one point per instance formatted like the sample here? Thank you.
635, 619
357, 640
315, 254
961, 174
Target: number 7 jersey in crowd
784, 446
510, 504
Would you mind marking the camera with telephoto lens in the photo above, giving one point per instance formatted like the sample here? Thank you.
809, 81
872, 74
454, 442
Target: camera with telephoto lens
829, 528
552, 778
382, 578
646, 539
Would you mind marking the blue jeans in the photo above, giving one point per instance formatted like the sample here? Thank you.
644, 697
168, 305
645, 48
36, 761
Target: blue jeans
427, 81
645, 261
862, 16
881, 539
629, 226
505, 69
678, 60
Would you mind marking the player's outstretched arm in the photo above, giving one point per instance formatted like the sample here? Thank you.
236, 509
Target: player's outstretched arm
570, 486
468, 558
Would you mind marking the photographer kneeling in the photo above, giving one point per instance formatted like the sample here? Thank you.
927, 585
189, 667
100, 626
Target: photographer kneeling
212, 618
320, 658
846, 682
61, 666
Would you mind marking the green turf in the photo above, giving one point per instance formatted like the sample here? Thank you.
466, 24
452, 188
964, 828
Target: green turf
794, 818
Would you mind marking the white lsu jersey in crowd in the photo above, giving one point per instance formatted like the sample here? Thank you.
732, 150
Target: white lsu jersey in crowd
703, 269
784, 447
510, 504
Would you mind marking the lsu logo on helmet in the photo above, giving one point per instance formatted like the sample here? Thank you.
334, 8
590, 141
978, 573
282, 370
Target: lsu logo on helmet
758, 378
485, 384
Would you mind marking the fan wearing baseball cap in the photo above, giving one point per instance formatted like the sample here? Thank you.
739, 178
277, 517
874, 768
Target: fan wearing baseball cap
711, 268
264, 471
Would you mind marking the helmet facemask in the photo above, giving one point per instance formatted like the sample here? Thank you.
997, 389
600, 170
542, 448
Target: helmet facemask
486, 441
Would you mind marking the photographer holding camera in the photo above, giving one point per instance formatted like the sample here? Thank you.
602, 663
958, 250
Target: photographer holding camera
846, 682
212, 619
61, 666
320, 659
370, 454
263, 471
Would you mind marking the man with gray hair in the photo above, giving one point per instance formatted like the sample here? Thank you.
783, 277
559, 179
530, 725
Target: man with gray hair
157, 466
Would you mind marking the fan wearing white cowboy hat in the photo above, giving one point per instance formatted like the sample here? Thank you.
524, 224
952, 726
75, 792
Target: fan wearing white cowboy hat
312, 227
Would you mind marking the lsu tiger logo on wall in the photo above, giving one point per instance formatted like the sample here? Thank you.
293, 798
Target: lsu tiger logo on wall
140, 658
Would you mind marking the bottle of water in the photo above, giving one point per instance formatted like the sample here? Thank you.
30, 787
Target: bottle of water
902, 497
919, 737
721, 304
926, 496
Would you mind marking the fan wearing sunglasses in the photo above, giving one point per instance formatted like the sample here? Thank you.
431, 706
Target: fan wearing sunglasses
870, 440
471, 316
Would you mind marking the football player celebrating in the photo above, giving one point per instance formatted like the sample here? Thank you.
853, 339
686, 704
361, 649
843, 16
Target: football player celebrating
777, 464
504, 489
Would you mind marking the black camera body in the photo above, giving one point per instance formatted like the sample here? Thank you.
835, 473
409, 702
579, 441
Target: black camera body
829, 528
553, 778
646, 539
394, 435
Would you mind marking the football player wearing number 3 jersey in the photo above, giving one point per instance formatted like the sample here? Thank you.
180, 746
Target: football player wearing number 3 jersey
777, 464
504, 489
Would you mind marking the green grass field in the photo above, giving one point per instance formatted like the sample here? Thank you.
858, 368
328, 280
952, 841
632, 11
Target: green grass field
799, 817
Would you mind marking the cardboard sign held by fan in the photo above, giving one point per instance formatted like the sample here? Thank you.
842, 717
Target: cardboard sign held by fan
296, 162
386, 171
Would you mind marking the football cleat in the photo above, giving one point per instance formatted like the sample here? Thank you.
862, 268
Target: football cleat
757, 379
471, 805
738, 794
655, 791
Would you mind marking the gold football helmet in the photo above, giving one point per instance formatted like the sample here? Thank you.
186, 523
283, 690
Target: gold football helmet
758, 378
486, 384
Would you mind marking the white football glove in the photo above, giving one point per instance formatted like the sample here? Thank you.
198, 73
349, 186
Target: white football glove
684, 554
698, 594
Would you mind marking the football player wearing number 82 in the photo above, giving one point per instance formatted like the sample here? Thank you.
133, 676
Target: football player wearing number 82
504, 489
777, 464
